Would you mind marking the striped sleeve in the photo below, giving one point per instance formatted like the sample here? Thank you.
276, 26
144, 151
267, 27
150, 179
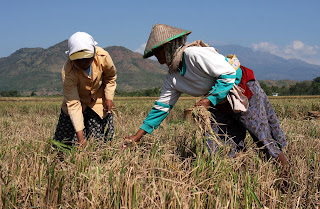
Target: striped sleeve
221, 88
157, 114
162, 107
207, 60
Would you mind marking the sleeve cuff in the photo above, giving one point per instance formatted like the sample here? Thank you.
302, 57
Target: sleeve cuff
147, 128
79, 128
109, 96
213, 100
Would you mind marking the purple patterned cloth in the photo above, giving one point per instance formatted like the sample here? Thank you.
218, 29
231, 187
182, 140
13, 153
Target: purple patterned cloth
260, 120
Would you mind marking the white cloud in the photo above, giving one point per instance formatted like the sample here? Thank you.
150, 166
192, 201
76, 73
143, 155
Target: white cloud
297, 45
297, 49
266, 46
141, 51
141, 48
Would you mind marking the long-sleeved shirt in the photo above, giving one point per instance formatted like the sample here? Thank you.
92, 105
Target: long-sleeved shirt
204, 72
81, 90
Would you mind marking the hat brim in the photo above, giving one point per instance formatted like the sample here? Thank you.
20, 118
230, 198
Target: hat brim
150, 52
81, 55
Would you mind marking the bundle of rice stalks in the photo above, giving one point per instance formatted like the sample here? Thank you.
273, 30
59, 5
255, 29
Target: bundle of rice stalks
215, 142
203, 120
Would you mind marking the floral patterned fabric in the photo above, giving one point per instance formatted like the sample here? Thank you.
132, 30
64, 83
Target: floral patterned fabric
260, 120
233, 61
94, 127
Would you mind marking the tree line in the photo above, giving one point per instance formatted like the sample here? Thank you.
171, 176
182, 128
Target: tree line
15, 93
10, 93
155, 92
300, 88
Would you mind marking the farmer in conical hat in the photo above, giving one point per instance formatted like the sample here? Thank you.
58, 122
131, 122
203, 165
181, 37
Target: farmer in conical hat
89, 82
199, 70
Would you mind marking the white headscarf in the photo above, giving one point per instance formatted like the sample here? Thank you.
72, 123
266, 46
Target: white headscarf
81, 41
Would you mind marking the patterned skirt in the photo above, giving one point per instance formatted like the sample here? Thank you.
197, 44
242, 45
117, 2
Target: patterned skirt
260, 120
102, 129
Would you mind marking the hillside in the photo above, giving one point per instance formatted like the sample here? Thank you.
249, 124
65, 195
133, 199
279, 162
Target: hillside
37, 69
134, 72
33, 69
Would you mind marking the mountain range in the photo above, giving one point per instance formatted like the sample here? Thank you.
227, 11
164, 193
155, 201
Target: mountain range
267, 66
39, 70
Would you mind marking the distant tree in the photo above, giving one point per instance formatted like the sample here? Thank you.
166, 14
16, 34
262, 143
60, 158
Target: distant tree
148, 92
266, 89
283, 91
316, 80
275, 89
33, 94
315, 86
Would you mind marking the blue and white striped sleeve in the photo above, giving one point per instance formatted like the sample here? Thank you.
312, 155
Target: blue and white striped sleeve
217, 66
221, 88
162, 107
207, 60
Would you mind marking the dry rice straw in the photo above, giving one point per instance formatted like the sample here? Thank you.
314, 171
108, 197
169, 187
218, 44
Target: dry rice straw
203, 118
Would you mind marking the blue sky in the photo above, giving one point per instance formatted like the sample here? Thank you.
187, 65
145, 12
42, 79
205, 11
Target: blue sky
286, 28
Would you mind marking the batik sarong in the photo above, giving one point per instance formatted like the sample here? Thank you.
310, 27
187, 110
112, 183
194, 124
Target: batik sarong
260, 120
95, 127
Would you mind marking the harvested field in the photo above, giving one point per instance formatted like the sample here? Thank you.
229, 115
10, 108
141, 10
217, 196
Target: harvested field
169, 169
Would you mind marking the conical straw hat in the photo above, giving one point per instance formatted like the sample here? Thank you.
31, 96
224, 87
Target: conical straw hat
160, 35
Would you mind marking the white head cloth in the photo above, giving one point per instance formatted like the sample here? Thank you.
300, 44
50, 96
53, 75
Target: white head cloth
81, 41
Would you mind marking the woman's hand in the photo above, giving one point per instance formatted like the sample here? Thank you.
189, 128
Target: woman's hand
203, 102
81, 140
128, 142
110, 105
133, 139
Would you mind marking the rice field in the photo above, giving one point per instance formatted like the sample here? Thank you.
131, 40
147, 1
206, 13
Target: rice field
169, 169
